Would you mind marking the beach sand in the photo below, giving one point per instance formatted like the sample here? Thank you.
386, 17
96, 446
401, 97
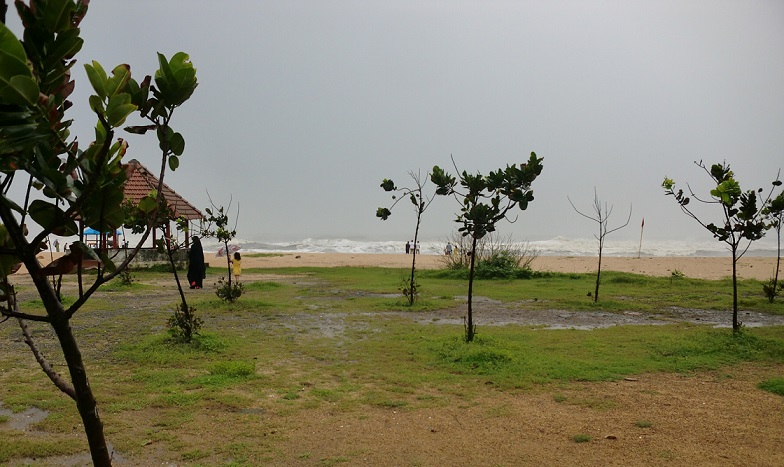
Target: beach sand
761, 268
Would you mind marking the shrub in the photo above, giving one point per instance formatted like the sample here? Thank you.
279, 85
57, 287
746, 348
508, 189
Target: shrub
183, 325
228, 292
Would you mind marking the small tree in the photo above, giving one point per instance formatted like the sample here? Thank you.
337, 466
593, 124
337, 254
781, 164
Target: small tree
774, 211
742, 218
420, 203
70, 184
218, 227
602, 219
484, 201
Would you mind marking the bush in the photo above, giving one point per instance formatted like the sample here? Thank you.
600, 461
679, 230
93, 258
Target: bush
228, 293
183, 326
496, 258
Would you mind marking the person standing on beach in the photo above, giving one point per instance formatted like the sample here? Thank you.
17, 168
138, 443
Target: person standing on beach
236, 266
417, 247
196, 270
448, 250
408, 247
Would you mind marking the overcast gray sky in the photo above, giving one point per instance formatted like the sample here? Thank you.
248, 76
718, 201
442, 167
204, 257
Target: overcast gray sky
304, 106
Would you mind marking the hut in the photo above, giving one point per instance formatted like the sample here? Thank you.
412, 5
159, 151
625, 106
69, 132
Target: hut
141, 182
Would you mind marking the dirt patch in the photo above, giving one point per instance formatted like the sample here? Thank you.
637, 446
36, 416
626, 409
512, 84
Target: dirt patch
657, 419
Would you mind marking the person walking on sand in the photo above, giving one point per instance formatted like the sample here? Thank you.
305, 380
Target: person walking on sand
408, 247
448, 250
236, 266
196, 270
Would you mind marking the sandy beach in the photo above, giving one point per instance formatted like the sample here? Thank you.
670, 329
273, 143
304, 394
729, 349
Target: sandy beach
761, 268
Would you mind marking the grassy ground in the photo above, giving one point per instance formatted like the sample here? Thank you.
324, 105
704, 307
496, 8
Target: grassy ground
300, 341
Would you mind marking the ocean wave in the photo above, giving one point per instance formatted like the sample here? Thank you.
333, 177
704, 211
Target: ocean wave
557, 246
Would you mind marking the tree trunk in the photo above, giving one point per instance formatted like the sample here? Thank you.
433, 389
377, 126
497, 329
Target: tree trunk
470, 324
735, 324
85, 401
412, 285
598, 277
778, 259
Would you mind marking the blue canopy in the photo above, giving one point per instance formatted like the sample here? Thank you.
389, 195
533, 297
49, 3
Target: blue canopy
92, 231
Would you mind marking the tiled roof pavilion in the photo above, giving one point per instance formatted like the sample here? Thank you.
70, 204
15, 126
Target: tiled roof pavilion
141, 182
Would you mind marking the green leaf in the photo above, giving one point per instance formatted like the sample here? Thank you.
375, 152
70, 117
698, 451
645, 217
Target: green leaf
17, 84
108, 264
148, 204
118, 109
66, 46
57, 15
177, 144
174, 162
388, 185
175, 79
96, 105
52, 218
120, 76
97, 77
383, 213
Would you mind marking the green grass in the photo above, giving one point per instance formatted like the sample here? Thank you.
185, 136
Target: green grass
335, 339
775, 385
581, 438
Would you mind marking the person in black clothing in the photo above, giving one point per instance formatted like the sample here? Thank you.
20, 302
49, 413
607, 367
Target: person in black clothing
196, 269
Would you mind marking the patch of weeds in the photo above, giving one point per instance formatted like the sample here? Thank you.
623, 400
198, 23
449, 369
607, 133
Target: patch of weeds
392, 404
262, 286
228, 372
581, 438
196, 454
775, 385
16, 446
559, 398
180, 399
643, 424
291, 396
326, 394
333, 460
162, 350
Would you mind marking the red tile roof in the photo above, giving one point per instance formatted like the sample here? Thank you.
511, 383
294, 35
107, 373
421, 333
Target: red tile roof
142, 182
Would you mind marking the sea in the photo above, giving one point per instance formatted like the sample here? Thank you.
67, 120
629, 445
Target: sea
557, 246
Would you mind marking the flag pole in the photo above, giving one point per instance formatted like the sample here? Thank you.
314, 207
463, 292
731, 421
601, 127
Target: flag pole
642, 226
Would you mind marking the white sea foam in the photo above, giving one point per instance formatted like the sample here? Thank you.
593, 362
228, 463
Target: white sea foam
558, 246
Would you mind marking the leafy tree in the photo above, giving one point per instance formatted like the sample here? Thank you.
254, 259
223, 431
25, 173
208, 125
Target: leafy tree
602, 219
774, 211
420, 203
64, 188
484, 201
742, 219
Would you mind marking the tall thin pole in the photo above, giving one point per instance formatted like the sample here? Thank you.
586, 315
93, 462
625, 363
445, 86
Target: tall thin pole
641, 229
